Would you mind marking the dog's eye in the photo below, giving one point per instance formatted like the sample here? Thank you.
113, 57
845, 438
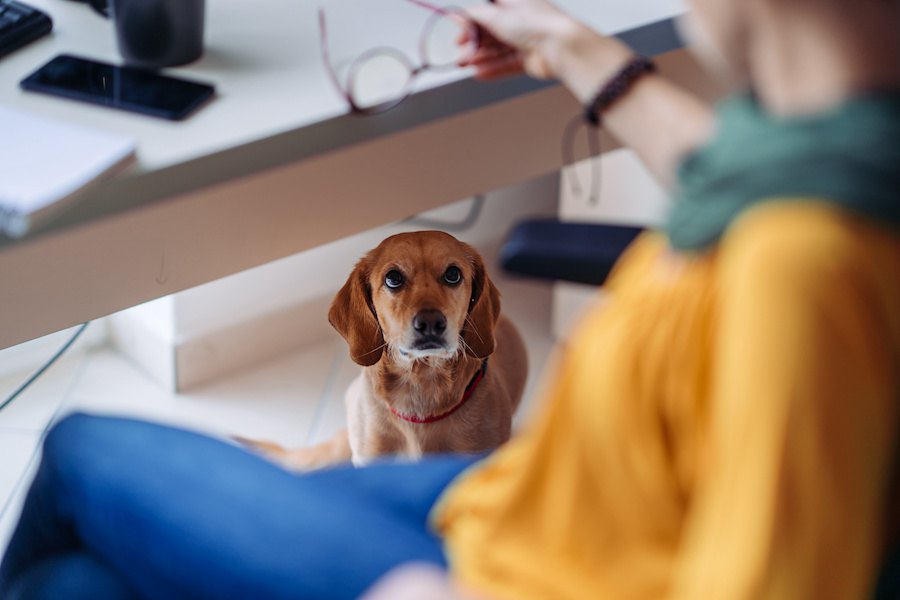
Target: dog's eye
393, 279
453, 275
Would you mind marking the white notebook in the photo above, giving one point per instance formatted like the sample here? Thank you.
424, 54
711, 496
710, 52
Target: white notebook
44, 162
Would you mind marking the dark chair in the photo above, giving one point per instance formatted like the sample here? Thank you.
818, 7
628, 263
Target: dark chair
552, 249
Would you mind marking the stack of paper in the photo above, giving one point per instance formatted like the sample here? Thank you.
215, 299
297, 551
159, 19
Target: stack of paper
44, 162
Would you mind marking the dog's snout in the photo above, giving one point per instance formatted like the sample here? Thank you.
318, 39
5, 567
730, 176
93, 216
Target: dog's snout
430, 322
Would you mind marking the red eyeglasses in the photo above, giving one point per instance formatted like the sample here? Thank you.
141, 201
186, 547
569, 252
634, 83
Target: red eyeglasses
381, 78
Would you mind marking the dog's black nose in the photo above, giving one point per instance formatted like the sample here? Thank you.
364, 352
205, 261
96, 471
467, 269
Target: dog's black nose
430, 322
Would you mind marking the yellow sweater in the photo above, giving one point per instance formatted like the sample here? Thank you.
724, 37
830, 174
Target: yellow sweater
723, 429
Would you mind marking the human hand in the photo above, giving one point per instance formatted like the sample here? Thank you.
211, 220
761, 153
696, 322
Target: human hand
415, 581
520, 36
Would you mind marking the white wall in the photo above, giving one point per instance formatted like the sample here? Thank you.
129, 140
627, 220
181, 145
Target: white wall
322, 270
245, 318
196, 335
629, 195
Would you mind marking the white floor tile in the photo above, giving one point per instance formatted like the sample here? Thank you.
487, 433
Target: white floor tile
295, 400
36, 405
275, 401
17, 449
10, 517
332, 412
110, 384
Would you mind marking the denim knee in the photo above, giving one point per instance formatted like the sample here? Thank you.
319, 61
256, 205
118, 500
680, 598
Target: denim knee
77, 441
71, 432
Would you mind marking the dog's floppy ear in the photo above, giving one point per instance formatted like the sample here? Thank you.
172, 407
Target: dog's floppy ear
352, 314
484, 310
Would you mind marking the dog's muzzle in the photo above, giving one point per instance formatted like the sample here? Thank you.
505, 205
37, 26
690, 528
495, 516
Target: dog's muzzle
429, 326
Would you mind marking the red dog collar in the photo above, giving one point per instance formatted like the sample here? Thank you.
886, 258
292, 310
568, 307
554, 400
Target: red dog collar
470, 389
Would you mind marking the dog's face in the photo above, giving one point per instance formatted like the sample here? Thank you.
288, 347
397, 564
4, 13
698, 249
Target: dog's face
422, 294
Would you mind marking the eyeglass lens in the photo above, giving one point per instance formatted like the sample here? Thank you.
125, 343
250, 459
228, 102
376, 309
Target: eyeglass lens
440, 40
382, 77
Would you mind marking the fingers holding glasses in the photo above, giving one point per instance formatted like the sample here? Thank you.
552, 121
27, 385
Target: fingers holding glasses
492, 58
517, 36
381, 78
496, 65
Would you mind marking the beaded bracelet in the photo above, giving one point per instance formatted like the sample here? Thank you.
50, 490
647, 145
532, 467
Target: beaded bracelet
616, 87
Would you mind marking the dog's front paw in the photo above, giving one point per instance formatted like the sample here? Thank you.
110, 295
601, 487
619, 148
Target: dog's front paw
270, 450
298, 459
260, 446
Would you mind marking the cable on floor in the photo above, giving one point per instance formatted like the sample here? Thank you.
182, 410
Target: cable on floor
46, 366
468, 221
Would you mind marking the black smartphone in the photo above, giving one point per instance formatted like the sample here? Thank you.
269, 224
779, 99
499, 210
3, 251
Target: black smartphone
126, 88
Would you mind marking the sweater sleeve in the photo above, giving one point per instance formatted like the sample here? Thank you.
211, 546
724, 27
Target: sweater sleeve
801, 432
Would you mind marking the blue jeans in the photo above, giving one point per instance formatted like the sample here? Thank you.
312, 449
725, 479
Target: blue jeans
128, 509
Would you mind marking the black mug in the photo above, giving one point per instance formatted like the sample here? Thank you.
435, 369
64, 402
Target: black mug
156, 33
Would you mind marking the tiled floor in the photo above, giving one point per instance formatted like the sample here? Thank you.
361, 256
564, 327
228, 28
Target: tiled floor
294, 400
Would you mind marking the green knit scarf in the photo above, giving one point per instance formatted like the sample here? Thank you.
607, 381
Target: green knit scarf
849, 156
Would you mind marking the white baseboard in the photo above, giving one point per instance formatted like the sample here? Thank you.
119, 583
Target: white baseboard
188, 344
205, 357
149, 349
187, 362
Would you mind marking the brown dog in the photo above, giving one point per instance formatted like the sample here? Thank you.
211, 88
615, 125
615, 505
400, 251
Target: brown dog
421, 315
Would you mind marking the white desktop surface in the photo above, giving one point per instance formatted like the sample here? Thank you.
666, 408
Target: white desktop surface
264, 58
274, 164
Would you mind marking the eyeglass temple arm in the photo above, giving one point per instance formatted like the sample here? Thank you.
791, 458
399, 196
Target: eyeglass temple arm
326, 58
427, 5
430, 6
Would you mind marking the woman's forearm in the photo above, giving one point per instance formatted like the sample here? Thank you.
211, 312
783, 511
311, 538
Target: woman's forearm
662, 122
659, 120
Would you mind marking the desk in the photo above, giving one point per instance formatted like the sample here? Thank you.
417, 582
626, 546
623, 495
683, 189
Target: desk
274, 165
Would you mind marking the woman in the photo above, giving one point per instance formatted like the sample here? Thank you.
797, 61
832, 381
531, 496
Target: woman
725, 427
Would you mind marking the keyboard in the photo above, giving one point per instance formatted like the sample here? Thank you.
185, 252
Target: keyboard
21, 24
